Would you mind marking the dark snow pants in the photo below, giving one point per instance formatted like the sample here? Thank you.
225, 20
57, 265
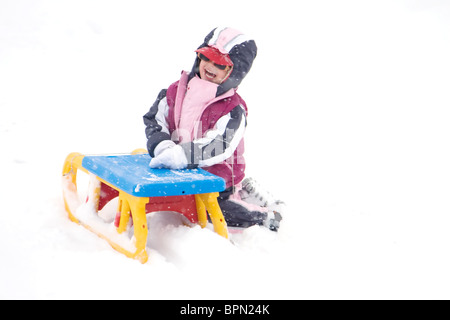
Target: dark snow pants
238, 213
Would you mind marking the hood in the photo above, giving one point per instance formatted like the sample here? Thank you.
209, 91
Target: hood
240, 48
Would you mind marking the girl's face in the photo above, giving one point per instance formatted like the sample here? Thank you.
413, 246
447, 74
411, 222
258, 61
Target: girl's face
210, 72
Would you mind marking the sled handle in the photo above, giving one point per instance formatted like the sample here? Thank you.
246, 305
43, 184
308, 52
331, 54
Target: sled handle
74, 161
71, 165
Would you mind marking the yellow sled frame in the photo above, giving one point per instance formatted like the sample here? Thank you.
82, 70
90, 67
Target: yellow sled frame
130, 206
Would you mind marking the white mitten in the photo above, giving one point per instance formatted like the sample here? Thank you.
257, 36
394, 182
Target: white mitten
162, 146
171, 157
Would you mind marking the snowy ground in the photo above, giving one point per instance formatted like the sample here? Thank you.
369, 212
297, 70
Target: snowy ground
349, 124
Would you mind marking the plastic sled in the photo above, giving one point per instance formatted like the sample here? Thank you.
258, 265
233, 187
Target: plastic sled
140, 190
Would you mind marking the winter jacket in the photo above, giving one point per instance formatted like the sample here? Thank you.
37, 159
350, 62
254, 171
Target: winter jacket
207, 120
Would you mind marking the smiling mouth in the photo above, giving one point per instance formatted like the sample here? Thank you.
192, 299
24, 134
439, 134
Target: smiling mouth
209, 74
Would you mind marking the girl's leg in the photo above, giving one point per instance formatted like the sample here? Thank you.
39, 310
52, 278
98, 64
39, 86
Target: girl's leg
239, 213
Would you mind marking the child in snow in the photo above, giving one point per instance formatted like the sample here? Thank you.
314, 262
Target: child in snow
200, 120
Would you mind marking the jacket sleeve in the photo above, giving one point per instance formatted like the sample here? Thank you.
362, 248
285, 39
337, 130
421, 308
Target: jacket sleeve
218, 144
156, 126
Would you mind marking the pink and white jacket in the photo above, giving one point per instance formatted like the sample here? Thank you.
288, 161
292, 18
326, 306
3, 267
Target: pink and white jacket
206, 119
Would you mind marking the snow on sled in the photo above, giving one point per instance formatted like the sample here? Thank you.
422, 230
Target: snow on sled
140, 190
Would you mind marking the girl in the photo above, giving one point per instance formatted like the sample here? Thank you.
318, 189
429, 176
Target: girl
200, 120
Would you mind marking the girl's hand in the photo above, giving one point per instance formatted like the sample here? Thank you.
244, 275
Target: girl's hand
172, 157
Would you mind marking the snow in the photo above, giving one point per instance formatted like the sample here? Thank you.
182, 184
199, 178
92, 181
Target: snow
349, 114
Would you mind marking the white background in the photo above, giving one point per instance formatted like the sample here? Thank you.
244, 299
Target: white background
349, 124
